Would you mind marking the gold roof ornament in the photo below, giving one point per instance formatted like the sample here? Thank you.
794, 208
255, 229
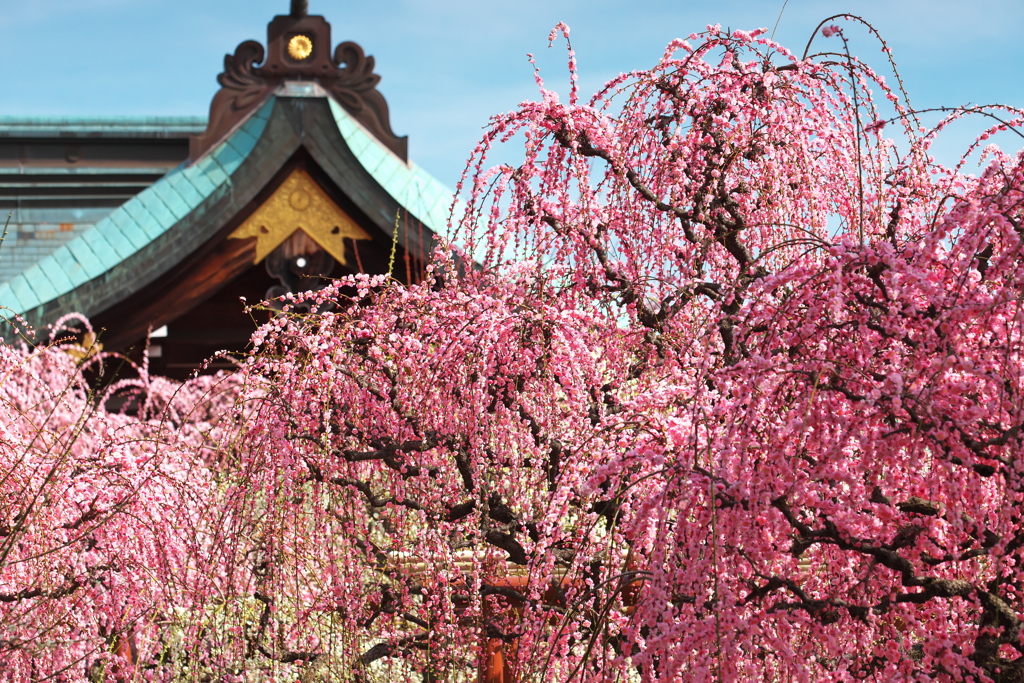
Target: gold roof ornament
300, 47
299, 204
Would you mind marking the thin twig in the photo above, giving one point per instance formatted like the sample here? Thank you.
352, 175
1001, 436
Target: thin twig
3, 237
776, 28
394, 245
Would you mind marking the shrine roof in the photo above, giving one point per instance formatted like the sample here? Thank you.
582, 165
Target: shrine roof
299, 102
130, 231
133, 225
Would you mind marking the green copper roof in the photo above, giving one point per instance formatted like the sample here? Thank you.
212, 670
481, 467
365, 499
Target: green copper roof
425, 197
149, 215
135, 224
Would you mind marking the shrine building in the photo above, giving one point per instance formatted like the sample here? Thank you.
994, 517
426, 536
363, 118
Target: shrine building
163, 224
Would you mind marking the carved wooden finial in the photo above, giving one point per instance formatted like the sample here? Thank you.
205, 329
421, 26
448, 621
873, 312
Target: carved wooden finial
298, 48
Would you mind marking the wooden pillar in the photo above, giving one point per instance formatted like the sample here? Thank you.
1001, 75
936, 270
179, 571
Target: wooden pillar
498, 660
494, 670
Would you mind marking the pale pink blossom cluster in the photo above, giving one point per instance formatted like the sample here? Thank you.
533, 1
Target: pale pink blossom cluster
99, 510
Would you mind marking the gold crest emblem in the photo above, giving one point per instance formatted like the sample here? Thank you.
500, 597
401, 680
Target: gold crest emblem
300, 47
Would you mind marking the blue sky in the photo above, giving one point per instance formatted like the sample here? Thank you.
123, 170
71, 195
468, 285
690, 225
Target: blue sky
447, 66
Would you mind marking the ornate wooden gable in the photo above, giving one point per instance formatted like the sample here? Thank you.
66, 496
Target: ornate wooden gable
300, 219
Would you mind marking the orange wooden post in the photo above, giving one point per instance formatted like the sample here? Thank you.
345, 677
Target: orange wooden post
494, 670
498, 663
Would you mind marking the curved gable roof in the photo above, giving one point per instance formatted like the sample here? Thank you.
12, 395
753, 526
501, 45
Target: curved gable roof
193, 204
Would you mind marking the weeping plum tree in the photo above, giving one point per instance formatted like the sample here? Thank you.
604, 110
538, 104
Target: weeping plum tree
734, 394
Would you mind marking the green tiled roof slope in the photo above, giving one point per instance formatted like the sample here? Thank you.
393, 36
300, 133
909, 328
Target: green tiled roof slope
135, 224
422, 195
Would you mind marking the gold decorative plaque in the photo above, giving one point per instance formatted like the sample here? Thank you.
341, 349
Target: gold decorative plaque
299, 204
300, 47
